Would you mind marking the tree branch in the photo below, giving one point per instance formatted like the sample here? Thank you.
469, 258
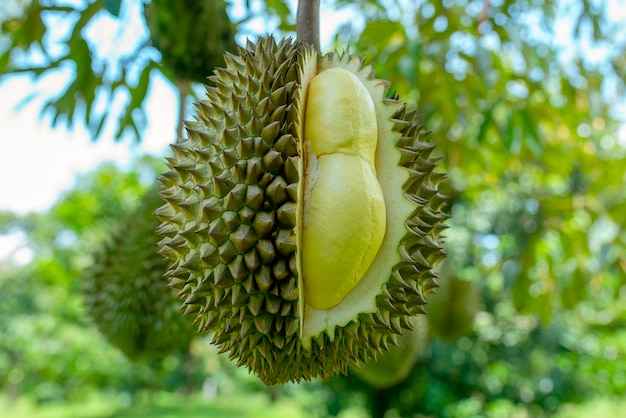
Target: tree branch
308, 22
183, 91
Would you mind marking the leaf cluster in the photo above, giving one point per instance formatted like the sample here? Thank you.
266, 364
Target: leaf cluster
526, 131
37, 47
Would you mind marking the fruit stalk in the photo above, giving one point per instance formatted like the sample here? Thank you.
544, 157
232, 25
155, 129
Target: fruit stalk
308, 22
183, 91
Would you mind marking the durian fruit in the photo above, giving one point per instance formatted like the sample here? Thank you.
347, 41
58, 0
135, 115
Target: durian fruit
191, 35
451, 310
394, 366
125, 293
302, 216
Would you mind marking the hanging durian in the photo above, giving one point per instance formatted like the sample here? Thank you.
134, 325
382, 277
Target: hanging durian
451, 310
394, 367
302, 215
191, 35
125, 293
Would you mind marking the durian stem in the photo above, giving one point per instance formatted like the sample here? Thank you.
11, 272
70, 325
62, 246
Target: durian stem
308, 23
379, 402
183, 91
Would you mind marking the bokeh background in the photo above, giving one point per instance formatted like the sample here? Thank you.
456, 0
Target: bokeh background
525, 101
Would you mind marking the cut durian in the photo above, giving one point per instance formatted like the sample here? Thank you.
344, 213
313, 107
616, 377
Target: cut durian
125, 293
248, 192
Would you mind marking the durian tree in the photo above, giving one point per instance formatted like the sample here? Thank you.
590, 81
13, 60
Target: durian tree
486, 83
415, 244
528, 140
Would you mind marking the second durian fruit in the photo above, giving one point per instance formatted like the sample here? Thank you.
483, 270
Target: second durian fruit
451, 310
302, 217
125, 293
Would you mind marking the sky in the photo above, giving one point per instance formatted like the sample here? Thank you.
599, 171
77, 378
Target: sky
37, 161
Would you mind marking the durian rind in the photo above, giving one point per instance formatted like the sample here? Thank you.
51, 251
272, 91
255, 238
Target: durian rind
381, 307
362, 299
229, 221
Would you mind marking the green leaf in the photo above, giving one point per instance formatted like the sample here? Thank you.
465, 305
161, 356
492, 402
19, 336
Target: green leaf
5, 60
487, 120
509, 133
520, 291
96, 128
533, 141
543, 306
54, 8
113, 6
574, 289
26, 30
85, 17
521, 286
279, 7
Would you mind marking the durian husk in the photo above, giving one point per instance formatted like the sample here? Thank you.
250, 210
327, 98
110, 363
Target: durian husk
125, 293
230, 225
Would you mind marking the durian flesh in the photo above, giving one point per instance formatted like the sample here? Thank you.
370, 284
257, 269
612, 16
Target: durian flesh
343, 220
302, 215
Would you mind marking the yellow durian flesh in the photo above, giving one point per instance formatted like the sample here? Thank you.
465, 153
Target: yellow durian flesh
340, 116
344, 213
362, 300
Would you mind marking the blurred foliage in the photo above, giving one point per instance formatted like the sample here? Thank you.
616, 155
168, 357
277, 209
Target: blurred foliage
527, 134
524, 99
48, 346
523, 109
44, 38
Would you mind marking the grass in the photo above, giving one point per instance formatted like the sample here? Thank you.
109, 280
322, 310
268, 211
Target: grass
600, 407
249, 405
161, 405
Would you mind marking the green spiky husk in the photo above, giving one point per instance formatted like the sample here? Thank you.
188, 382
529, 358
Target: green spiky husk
229, 223
125, 293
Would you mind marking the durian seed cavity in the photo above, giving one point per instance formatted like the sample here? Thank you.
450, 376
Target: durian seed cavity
344, 215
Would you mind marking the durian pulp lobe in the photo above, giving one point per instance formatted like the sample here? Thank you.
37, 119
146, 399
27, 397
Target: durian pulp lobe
344, 217
340, 116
